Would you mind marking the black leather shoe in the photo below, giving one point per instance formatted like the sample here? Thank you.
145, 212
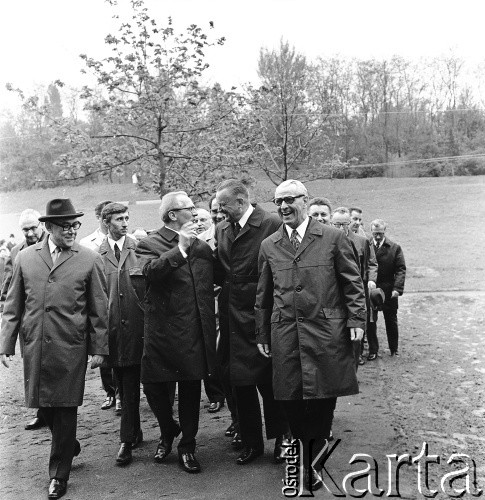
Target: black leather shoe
394, 353
372, 357
138, 440
280, 446
57, 488
109, 402
215, 407
236, 442
165, 446
188, 462
361, 360
124, 456
248, 455
36, 423
312, 480
230, 431
77, 448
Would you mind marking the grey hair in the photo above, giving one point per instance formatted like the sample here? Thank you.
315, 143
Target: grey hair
27, 214
235, 187
292, 182
341, 210
378, 223
169, 202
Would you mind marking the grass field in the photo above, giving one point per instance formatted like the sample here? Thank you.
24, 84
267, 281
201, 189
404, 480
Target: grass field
437, 221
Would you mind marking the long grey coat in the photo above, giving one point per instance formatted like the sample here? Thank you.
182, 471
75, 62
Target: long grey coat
306, 302
61, 313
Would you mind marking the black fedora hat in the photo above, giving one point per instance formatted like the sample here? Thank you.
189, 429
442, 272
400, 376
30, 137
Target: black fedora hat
377, 297
60, 208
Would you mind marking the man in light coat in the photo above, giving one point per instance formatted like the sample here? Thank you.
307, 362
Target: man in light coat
57, 302
310, 308
126, 291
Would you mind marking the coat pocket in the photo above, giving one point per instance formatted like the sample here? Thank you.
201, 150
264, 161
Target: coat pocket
334, 312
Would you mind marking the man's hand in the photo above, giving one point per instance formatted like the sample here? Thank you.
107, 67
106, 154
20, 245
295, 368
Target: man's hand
265, 350
371, 285
96, 361
5, 360
394, 294
187, 234
356, 334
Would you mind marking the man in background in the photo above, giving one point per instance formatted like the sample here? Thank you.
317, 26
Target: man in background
320, 209
356, 225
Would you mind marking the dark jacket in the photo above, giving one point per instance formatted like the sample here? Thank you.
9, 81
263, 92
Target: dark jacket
61, 312
126, 291
307, 301
366, 256
237, 273
180, 331
391, 272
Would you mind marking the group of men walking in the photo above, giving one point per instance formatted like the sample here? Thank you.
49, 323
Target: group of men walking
292, 294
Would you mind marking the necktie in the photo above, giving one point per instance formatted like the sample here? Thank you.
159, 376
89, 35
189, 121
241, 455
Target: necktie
236, 228
117, 252
377, 246
55, 254
294, 239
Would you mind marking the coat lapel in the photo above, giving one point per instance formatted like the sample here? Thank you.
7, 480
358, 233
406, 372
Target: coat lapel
284, 241
227, 230
105, 249
45, 253
63, 256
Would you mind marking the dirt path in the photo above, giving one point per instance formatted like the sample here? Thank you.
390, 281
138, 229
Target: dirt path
434, 392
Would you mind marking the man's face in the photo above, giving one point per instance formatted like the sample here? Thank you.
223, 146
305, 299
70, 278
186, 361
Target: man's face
215, 214
203, 220
230, 206
378, 233
186, 212
341, 221
63, 239
320, 212
32, 230
355, 221
118, 225
292, 212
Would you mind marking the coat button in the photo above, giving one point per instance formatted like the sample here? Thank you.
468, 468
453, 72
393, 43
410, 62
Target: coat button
121, 295
50, 280
297, 259
298, 288
300, 320
47, 309
47, 339
123, 321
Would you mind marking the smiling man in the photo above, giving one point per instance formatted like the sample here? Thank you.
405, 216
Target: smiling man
57, 303
310, 308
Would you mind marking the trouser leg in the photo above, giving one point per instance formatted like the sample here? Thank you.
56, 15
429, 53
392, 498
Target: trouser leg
158, 397
372, 335
128, 379
390, 318
189, 409
213, 389
275, 419
62, 422
107, 381
249, 414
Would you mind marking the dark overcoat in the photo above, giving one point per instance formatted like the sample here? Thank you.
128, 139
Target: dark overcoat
366, 257
237, 273
126, 291
61, 313
180, 331
391, 273
307, 300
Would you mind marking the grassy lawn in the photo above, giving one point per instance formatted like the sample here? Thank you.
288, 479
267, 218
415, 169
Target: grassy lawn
437, 221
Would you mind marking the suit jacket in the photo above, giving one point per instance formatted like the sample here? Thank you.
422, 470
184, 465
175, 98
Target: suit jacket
307, 300
93, 240
180, 331
391, 273
126, 292
61, 313
237, 273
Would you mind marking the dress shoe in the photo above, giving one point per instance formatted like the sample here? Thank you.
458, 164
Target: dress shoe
361, 360
36, 423
109, 402
118, 407
165, 446
124, 456
394, 353
77, 448
312, 480
57, 488
248, 455
230, 431
215, 407
188, 462
138, 440
372, 357
236, 442
280, 446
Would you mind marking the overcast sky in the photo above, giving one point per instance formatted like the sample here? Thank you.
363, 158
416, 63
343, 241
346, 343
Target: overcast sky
41, 39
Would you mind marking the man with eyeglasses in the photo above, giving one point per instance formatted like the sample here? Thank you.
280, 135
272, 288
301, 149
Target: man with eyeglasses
33, 232
180, 332
310, 309
238, 239
57, 303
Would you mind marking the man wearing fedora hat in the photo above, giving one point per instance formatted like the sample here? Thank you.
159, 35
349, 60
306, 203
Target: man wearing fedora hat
57, 303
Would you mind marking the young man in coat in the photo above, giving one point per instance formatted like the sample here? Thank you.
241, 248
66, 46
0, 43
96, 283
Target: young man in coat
391, 276
126, 290
57, 302
180, 331
238, 239
310, 308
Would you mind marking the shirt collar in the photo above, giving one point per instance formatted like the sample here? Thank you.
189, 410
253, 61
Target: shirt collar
119, 242
382, 242
243, 220
301, 229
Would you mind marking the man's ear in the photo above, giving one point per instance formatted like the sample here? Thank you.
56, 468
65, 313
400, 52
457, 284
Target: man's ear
172, 215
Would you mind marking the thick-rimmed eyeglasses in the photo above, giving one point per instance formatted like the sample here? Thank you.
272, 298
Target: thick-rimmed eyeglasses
27, 230
66, 226
289, 200
192, 209
340, 224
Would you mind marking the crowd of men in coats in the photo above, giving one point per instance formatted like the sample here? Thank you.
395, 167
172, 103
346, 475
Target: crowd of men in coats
247, 301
